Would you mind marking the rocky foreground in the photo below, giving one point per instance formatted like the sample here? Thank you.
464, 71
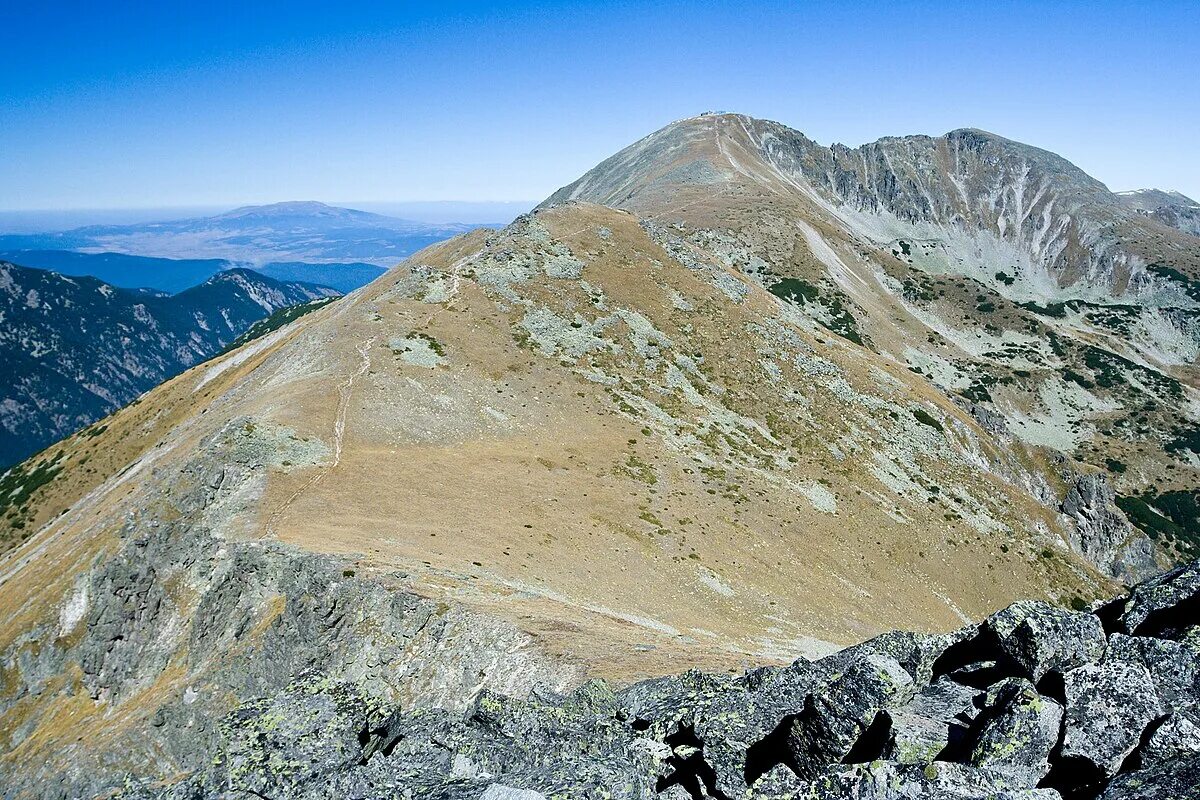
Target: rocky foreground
1035, 702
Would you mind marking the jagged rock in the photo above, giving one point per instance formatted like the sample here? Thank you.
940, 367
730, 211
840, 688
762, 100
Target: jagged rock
1108, 707
1020, 731
938, 717
884, 780
1178, 735
1174, 666
852, 726
1178, 779
737, 720
845, 714
1102, 533
1042, 638
1165, 606
915, 652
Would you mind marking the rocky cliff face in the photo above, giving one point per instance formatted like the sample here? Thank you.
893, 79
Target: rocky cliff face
1035, 703
1170, 208
76, 348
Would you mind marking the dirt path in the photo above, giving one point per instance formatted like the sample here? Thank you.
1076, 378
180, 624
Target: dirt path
345, 390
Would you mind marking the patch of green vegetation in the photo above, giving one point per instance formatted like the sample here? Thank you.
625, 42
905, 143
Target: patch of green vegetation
433, 343
986, 307
1074, 377
1110, 371
914, 291
637, 469
1172, 519
1184, 439
925, 418
18, 485
800, 292
795, 290
1190, 287
277, 320
1056, 310
1114, 466
1005, 278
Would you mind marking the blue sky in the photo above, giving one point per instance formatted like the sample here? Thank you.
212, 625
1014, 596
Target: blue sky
215, 103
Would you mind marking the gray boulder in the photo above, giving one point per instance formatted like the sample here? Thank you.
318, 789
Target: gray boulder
1042, 638
1173, 780
846, 712
1108, 707
1174, 666
1177, 736
1020, 731
939, 715
1165, 606
885, 780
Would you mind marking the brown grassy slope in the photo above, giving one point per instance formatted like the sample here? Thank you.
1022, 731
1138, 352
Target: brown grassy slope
628, 463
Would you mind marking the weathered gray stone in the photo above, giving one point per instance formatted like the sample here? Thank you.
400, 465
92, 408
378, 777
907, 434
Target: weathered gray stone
885, 780
841, 711
1108, 707
1174, 666
1178, 779
1021, 730
938, 715
1165, 606
1102, 534
1041, 638
1177, 736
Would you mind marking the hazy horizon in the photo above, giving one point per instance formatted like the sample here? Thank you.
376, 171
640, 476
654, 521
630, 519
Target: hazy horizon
49, 220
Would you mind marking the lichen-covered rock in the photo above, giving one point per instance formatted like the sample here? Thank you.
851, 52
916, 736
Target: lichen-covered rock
900, 717
1176, 736
1020, 731
1165, 606
885, 780
1108, 707
1042, 638
1174, 666
845, 711
1173, 780
940, 715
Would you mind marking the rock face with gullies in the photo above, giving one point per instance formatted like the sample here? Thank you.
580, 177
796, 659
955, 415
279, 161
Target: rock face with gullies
1103, 534
840, 728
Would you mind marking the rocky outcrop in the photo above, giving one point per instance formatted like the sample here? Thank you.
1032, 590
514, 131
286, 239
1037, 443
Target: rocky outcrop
1035, 703
181, 624
1102, 534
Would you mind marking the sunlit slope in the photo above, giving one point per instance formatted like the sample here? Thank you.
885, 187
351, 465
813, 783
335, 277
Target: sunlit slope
568, 426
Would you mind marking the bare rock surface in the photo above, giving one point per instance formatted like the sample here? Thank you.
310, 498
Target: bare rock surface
858, 724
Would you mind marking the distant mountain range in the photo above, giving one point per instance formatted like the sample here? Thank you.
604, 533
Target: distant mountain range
77, 348
288, 232
176, 274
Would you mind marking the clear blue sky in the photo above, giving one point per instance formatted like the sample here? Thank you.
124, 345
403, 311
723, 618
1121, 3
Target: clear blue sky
140, 104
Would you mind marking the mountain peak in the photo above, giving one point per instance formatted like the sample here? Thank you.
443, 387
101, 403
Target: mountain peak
289, 208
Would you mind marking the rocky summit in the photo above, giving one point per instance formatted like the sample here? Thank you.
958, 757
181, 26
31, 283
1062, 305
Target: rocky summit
733, 407
1034, 703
